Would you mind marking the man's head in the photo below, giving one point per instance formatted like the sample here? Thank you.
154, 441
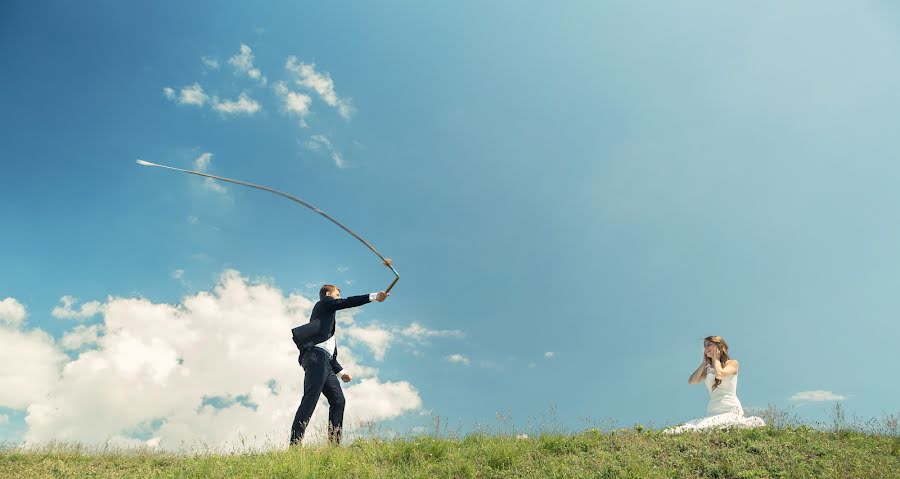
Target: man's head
330, 291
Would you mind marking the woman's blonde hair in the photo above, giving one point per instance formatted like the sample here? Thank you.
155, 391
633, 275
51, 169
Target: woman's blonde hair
722, 346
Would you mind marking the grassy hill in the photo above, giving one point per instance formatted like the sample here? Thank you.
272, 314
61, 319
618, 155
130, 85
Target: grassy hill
792, 452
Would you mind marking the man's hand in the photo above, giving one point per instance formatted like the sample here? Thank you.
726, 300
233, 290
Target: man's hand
381, 296
346, 377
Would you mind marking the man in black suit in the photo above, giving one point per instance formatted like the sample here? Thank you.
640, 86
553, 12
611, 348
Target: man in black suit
318, 357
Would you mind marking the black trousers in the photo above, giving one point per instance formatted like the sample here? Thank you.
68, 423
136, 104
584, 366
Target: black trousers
319, 379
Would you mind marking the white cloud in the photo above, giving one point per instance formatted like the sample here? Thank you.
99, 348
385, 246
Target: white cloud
458, 358
816, 396
343, 269
376, 338
194, 95
178, 275
156, 363
549, 354
189, 95
29, 360
321, 83
201, 164
87, 310
243, 105
294, 103
338, 159
320, 142
297, 103
80, 336
316, 142
379, 339
418, 332
243, 63
4, 419
12, 312
375, 399
210, 63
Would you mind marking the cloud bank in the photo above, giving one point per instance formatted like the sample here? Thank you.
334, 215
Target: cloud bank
217, 369
816, 396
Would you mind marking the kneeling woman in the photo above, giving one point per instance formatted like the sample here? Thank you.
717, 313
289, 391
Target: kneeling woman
719, 372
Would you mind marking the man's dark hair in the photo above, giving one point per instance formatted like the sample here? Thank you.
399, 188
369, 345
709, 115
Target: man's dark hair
327, 288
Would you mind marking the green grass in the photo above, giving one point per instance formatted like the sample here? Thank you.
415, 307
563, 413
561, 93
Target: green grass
788, 452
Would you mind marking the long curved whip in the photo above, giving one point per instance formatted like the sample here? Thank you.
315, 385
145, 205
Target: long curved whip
387, 261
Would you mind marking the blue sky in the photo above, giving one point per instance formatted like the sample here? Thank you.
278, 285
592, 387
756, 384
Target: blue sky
609, 182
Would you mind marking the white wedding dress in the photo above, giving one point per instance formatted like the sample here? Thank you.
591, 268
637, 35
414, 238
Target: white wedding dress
724, 409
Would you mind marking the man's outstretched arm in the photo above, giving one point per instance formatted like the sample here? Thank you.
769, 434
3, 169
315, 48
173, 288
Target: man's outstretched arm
353, 301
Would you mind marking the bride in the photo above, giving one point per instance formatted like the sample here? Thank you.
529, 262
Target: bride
719, 372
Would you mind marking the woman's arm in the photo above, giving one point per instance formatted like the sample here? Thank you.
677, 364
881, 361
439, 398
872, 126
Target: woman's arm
698, 375
723, 371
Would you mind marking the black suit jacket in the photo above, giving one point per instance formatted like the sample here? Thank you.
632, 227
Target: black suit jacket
321, 322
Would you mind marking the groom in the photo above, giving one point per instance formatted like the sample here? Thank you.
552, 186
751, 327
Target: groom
318, 357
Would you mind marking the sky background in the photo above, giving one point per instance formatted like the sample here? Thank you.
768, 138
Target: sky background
574, 194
